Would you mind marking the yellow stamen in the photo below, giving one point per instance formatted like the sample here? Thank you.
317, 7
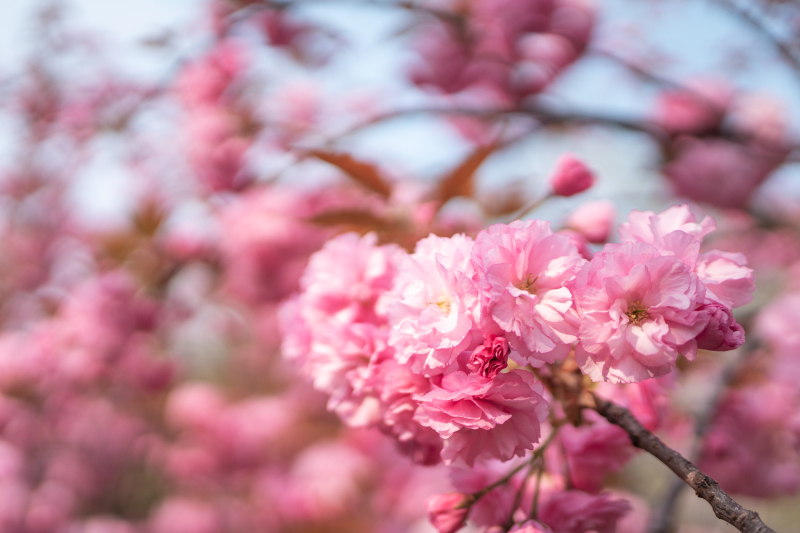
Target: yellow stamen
637, 313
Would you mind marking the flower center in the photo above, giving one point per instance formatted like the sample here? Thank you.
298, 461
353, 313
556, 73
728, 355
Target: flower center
444, 305
637, 313
528, 284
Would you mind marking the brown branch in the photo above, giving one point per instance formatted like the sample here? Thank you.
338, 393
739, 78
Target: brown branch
664, 522
725, 508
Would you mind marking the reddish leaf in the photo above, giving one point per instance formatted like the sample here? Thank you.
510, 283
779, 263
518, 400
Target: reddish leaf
366, 174
348, 217
460, 181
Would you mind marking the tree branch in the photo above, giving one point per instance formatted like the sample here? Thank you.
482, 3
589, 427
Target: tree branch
725, 508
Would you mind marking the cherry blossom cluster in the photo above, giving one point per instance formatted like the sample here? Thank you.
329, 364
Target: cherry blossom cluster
439, 348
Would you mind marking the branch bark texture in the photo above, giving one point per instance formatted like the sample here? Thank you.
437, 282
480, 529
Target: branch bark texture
725, 508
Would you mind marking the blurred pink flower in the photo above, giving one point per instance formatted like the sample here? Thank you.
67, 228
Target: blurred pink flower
578, 512
593, 220
448, 512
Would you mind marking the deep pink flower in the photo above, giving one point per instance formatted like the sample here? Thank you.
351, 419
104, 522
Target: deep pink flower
693, 111
481, 417
639, 312
448, 512
722, 332
433, 307
523, 268
578, 512
489, 358
570, 176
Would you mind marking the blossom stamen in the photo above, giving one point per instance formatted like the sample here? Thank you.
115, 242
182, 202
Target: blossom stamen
637, 313
528, 284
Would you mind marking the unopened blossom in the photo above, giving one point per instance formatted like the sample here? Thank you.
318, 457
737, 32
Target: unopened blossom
523, 269
433, 307
489, 358
530, 526
448, 512
570, 176
579, 512
722, 332
639, 312
481, 417
593, 220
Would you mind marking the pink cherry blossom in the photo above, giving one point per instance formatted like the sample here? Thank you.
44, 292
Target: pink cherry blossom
638, 311
726, 277
578, 512
570, 176
523, 268
433, 308
481, 417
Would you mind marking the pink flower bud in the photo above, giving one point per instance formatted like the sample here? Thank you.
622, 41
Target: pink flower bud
570, 176
530, 526
593, 220
448, 512
722, 333
490, 358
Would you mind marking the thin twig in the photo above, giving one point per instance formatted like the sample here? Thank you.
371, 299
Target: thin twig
724, 507
664, 522
783, 48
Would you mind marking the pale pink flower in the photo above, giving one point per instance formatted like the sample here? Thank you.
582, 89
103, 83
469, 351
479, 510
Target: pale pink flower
593, 220
448, 512
481, 417
205, 81
345, 279
433, 309
638, 311
578, 512
570, 176
523, 268
659, 230
726, 277
647, 400
489, 358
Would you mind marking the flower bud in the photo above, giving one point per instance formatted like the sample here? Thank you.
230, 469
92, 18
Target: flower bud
722, 333
530, 526
570, 176
448, 512
490, 358
593, 220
